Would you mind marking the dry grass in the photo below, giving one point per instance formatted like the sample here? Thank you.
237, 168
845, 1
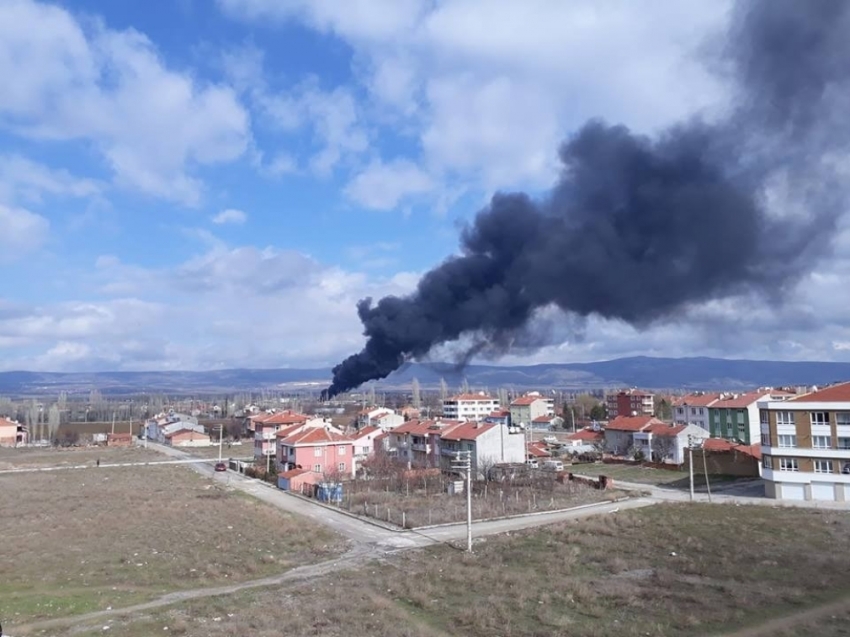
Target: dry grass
610, 575
228, 450
75, 541
34, 457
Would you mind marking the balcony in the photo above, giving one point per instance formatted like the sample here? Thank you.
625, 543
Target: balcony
419, 447
448, 452
266, 435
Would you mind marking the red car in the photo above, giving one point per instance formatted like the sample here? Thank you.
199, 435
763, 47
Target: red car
220, 466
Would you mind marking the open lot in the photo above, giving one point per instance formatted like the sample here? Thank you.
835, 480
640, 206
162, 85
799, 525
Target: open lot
666, 570
648, 475
76, 541
34, 457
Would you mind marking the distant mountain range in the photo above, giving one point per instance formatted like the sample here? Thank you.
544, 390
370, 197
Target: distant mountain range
646, 372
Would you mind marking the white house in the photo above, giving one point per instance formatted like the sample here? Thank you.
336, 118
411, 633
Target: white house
364, 444
692, 409
381, 417
526, 409
489, 443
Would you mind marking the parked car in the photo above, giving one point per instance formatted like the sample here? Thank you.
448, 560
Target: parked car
532, 463
553, 465
220, 466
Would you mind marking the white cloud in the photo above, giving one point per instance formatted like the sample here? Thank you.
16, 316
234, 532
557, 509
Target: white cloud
21, 232
151, 124
383, 186
231, 215
22, 179
490, 89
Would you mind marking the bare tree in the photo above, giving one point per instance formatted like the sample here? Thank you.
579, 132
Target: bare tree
464, 387
416, 398
373, 400
663, 448
444, 390
54, 417
504, 401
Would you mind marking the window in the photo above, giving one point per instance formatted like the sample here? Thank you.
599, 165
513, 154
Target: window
820, 442
693, 410
680, 410
842, 418
341, 450
787, 441
844, 443
765, 440
788, 464
700, 411
317, 452
317, 468
764, 416
767, 462
784, 417
740, 416
820, 417
341, 466
823, 466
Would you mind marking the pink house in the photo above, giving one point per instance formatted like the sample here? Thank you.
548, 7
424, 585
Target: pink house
317, 449
12, 433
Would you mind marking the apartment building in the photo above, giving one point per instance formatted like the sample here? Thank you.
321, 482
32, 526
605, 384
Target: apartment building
469, 406
806, 445
526, 409
736, 416
630, 402
692, 409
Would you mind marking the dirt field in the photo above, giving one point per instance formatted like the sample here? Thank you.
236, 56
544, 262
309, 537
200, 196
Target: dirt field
647, 475
76, 541
663, 571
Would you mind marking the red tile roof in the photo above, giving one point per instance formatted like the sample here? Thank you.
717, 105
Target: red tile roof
720, 445
663, 429
631, 423
587, 435
742, 401
470, 397
286, 418
537, 450
424, 427
315, 436
177, 432
835, 394
525, 400
467, 431
544, 419
499, 413
293, 473
288, 431
366, 431
695, 400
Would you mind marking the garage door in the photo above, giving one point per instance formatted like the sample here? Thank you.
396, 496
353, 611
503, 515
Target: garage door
793, 492
823, 491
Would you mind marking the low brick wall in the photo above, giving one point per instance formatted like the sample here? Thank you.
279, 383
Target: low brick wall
598, 482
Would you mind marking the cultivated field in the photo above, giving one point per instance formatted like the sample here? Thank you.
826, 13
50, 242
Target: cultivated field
661, 571
82, 540
425, 501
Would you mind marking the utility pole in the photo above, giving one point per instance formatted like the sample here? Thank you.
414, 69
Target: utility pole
691, 465
463, 462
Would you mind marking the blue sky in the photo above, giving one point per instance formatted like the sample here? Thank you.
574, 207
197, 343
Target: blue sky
203, 184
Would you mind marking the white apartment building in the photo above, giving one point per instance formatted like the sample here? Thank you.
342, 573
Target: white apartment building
806, 445
469, 406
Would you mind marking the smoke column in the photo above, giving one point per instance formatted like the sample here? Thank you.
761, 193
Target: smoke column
636, 227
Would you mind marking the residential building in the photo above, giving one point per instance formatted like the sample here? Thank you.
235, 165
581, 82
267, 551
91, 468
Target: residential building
736, 416
267, 426
364, 444
381, 417
415, 442
469, 406
319, 449
692, 409
159, 425
187, 437
668, 443
489, 445
583, 437
806, 445
499, 417
620, 431
526, 409
12, 433
630, 402
297, 480
538, 451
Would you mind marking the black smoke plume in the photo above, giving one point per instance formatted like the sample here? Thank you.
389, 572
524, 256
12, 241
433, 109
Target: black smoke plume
638, 228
